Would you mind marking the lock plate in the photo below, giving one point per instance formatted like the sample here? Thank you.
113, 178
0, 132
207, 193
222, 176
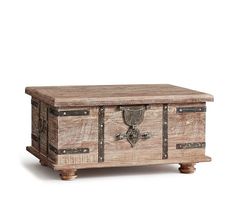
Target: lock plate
133, 116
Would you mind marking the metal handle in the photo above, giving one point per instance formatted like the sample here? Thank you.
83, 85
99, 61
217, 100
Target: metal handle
145, 135
133, 136
120, 136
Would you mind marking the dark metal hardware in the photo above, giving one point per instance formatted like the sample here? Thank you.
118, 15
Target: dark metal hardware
101, 125
133, 116
191, 145
190, 109
165, 132
34, 137
68, 151
69, 113
34, 103
145, 135
133, 135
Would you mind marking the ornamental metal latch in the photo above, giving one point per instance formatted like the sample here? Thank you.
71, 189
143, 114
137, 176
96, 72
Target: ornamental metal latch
133, 116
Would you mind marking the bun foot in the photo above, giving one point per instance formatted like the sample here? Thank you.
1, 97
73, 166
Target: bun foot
43, 163
187, 168
68, 174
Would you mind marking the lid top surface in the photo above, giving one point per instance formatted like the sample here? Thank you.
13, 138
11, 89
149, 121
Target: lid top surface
115, 94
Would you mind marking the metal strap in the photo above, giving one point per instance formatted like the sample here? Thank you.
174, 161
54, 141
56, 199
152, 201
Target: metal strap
190, 109
69, 113
165, 132
35, 138
68, 151
34, 103
101, 113
191, 145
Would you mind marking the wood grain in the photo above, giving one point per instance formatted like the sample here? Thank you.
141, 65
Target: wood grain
70, 132
70, 96
56, 166
35, 124
144, 150
134, 163
43, 135
78, 132
68, 174
187, 168
185, 128
52, 136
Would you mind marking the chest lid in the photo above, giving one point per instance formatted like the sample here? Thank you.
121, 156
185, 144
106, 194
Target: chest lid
70, 96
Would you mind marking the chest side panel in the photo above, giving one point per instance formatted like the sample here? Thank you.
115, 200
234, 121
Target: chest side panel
78, 133
52, 136
186, 130
121, 151
35, 105
43, 128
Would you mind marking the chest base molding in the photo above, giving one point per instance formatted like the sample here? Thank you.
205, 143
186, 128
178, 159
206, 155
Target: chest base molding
48, 162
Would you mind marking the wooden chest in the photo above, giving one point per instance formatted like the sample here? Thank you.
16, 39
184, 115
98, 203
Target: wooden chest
76, 127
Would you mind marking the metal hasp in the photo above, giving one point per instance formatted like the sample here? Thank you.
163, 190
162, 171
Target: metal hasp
133, 116
69, 112
101, 125
190, 109
191, 145
68, 151
165, 132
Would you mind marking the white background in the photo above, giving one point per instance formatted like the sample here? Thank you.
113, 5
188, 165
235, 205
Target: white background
186, 43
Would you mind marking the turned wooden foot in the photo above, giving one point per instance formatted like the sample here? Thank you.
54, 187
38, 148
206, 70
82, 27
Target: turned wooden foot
43, 163
68, 174
187, 168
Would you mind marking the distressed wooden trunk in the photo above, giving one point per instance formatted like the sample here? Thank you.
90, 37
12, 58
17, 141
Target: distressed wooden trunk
75, 127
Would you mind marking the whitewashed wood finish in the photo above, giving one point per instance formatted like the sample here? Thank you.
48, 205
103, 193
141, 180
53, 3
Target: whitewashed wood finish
79, 132
185, 128
68, 132
52, 136
35, 123
70, 96
144, 150
86, 158
43, 134
55, 166
82, 131
132, 163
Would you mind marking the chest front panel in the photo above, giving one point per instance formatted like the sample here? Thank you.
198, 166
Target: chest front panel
76, 127
78, 131
119, 134
118, 147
